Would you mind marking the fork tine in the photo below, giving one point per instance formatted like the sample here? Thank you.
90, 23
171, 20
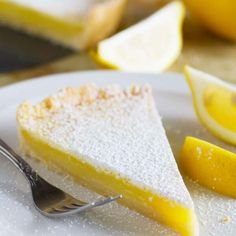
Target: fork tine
62, 209
71, 207
58, 211
101, 202
76, 204
66, 211
95, 204
105, 201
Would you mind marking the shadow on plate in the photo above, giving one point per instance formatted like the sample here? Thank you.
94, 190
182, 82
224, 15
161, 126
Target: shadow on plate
21, 51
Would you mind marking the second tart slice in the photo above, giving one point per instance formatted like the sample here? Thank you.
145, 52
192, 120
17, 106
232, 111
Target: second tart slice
112, 141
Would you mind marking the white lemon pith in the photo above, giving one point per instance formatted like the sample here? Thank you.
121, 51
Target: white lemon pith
215, 103
149, 46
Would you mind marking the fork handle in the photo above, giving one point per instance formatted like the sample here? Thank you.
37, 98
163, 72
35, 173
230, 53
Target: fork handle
18, 161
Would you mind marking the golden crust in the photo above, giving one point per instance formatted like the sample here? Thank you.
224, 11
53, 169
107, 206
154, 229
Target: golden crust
80, 96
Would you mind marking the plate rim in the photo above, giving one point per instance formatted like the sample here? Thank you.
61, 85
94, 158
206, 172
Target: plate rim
37, 79
169, 78
9, 94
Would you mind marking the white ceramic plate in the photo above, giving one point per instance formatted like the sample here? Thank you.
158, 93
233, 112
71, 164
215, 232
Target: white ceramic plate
217, 214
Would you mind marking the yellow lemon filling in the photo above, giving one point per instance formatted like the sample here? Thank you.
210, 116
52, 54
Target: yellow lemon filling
162, 209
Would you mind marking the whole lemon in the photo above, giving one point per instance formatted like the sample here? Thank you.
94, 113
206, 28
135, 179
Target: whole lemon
217, 15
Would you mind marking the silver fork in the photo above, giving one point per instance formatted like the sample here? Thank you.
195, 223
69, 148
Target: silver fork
49, 200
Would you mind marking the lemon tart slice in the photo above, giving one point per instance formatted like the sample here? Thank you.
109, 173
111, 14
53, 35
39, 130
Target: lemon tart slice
112, 141
76, 24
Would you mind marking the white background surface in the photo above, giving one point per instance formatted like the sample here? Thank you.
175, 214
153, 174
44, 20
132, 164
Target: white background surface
18, 216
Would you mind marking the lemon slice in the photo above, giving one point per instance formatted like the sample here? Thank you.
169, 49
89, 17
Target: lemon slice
214, 102
149, 46
210, 165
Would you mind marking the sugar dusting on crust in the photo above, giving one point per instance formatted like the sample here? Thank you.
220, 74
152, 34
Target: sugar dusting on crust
113, 129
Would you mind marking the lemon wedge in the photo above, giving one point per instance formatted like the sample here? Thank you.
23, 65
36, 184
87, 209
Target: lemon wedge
210, 165
152, 45
219, 16
215, 103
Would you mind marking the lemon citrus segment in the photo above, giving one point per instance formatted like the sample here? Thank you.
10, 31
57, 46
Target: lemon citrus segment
210, 165
217, 101
214, 102
149, 46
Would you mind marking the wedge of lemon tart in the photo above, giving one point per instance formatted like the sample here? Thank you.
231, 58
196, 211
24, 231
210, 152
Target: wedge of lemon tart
112, 141
76, 24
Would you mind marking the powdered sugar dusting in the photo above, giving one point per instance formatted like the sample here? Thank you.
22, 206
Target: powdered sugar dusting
216, 213
121, 134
